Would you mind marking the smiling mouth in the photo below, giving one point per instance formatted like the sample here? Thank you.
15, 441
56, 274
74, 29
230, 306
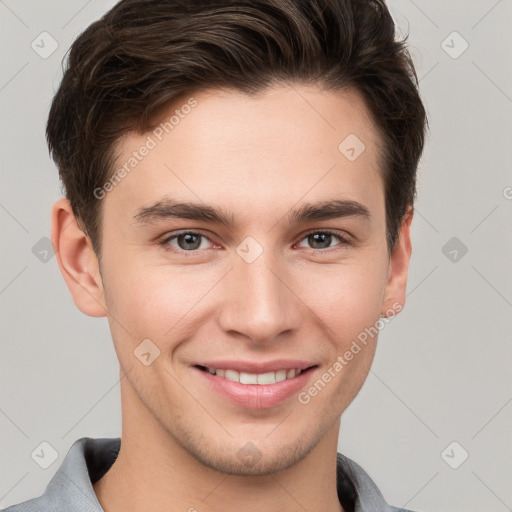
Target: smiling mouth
255, 378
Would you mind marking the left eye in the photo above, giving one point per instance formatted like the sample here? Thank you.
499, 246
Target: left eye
322, 238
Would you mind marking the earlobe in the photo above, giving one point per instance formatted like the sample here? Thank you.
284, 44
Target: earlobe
77, 261
395, 291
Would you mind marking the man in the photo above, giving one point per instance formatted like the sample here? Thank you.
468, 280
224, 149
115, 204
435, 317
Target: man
240, 179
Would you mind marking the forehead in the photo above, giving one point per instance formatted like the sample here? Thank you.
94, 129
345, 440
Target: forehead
281, 145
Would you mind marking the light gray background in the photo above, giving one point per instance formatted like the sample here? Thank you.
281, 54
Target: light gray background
442, 369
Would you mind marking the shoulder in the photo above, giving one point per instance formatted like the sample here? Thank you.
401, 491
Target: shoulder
70, 489
369, 496
33, 505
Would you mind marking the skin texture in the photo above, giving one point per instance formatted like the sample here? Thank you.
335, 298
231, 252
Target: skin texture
256, 158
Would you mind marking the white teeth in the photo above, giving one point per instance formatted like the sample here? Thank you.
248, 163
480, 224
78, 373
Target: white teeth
280, 375
253, 378
232, 375
248, 378
266, 378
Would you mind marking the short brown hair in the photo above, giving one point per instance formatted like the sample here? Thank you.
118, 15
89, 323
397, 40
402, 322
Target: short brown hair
142, 54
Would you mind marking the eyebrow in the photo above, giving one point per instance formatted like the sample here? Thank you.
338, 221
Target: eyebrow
324, 210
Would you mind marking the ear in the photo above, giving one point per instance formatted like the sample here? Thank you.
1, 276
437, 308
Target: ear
77, 261
394, 295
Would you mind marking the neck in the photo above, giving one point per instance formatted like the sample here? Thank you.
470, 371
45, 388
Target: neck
154, 472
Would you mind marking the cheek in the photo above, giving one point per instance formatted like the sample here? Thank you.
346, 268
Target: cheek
349, 311
157, 302
140, 305
347, 298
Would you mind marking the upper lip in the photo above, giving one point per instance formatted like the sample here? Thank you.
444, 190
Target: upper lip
257, 367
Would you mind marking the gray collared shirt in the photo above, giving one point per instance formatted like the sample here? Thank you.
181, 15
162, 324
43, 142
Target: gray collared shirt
88, 459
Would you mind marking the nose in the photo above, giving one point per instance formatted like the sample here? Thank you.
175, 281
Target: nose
259, 300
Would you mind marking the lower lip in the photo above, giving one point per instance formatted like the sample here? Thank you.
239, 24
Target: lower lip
256, 396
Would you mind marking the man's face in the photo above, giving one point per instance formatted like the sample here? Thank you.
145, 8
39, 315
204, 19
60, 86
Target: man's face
267, 293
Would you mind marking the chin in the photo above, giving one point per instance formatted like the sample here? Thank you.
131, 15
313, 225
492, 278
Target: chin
252, 457
251, 464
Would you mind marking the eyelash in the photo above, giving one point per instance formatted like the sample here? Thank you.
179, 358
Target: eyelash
344, 242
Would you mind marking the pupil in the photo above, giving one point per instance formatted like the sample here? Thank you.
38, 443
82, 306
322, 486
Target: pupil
188, 241
326, 236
